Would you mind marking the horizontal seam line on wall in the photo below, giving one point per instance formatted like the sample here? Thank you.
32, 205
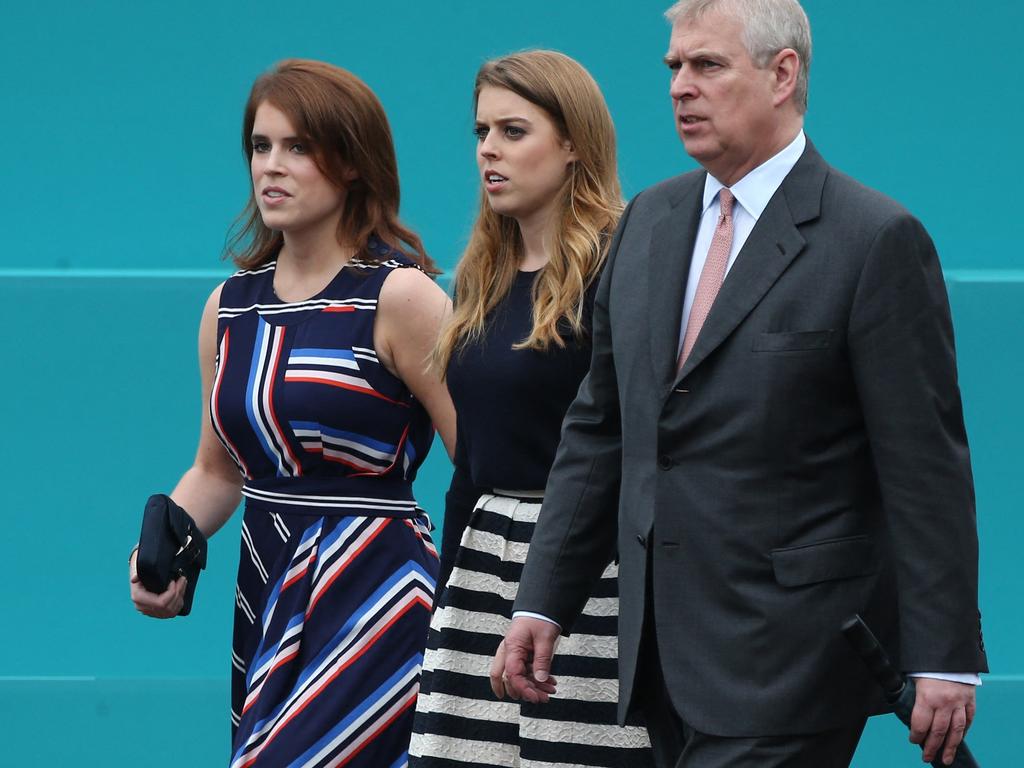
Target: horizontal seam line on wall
984, 275
135, 274
985, 678
48, 679
116, 273
994, 275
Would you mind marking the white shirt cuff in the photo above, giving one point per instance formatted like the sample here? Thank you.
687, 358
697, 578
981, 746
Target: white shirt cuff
967, 678
532, 615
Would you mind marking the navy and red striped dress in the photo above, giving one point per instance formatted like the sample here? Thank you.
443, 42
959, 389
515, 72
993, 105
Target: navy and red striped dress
337, 569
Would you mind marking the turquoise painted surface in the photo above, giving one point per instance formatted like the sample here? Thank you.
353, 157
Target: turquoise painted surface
102, 396
123, 118
116, 722
123, 172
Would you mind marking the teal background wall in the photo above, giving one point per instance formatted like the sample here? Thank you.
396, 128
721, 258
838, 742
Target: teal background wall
122, 170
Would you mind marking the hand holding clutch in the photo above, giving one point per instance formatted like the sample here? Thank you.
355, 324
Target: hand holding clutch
170, 545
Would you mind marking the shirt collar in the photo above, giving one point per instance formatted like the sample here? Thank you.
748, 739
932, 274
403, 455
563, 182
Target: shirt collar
755, 189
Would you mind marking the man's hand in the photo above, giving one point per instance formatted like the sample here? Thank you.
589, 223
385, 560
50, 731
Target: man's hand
522, 665
943, 711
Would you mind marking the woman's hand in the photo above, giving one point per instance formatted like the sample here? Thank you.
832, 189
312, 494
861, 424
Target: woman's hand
211, 487
165, 605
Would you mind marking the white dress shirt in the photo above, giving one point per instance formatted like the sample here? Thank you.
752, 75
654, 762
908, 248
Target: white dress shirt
752, 194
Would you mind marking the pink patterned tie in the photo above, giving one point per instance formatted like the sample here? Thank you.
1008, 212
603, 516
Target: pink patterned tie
711, 276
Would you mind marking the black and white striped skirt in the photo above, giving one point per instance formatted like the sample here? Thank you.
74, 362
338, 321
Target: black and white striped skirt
458, 719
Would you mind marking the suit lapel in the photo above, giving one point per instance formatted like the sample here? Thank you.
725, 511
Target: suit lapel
671, 251
772, 245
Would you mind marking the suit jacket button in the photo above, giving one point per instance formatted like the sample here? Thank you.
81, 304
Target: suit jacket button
665, 462
641, 541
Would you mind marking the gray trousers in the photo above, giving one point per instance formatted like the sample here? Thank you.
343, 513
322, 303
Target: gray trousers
678, 745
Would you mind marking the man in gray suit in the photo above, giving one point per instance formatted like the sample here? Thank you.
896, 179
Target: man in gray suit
770, 438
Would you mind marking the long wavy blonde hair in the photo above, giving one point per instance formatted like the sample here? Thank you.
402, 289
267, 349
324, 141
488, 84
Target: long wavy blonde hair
591, 203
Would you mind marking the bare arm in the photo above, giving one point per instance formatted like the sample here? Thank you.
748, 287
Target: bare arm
210, 489
410, 313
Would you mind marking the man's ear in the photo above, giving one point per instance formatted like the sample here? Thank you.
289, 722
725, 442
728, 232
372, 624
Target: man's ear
785, 67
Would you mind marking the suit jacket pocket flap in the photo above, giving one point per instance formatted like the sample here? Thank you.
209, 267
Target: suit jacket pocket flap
792, 341
824, 561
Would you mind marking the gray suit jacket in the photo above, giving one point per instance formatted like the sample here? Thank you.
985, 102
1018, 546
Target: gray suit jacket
808, 463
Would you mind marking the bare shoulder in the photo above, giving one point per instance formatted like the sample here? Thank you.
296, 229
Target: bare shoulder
208, 325
409, 283
410, 312
213, 300
212, 306
408, 293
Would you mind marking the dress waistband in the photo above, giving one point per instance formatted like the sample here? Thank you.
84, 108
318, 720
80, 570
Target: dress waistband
524, 495
337, 505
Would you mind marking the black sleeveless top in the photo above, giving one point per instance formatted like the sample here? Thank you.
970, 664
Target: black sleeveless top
509, 404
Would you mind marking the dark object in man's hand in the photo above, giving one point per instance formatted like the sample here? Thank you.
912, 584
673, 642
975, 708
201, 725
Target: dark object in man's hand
170, 545
899, 690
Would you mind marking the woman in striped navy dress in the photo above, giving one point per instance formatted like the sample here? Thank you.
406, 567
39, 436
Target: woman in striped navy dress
319, 412
514, 354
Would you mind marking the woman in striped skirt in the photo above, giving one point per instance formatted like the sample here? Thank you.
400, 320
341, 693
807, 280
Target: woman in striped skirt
319, 412
514, 354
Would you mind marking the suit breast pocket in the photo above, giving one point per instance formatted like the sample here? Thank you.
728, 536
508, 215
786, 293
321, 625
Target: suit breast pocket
793, 341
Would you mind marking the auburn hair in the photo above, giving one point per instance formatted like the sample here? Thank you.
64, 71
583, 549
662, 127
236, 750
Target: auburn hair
590, 206
343, 123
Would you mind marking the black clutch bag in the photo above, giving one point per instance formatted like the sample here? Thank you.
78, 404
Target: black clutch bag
170, 545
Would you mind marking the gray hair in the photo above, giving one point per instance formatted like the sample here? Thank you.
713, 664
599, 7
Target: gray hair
769, 26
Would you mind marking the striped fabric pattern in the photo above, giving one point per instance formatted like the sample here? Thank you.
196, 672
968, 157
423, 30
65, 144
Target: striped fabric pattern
218, 426
366, 504
353, 450
336, 566
335, 649
335, 368
259, 399
287, 308
459, 721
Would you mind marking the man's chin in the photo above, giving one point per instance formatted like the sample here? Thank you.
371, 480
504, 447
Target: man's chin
695, 146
